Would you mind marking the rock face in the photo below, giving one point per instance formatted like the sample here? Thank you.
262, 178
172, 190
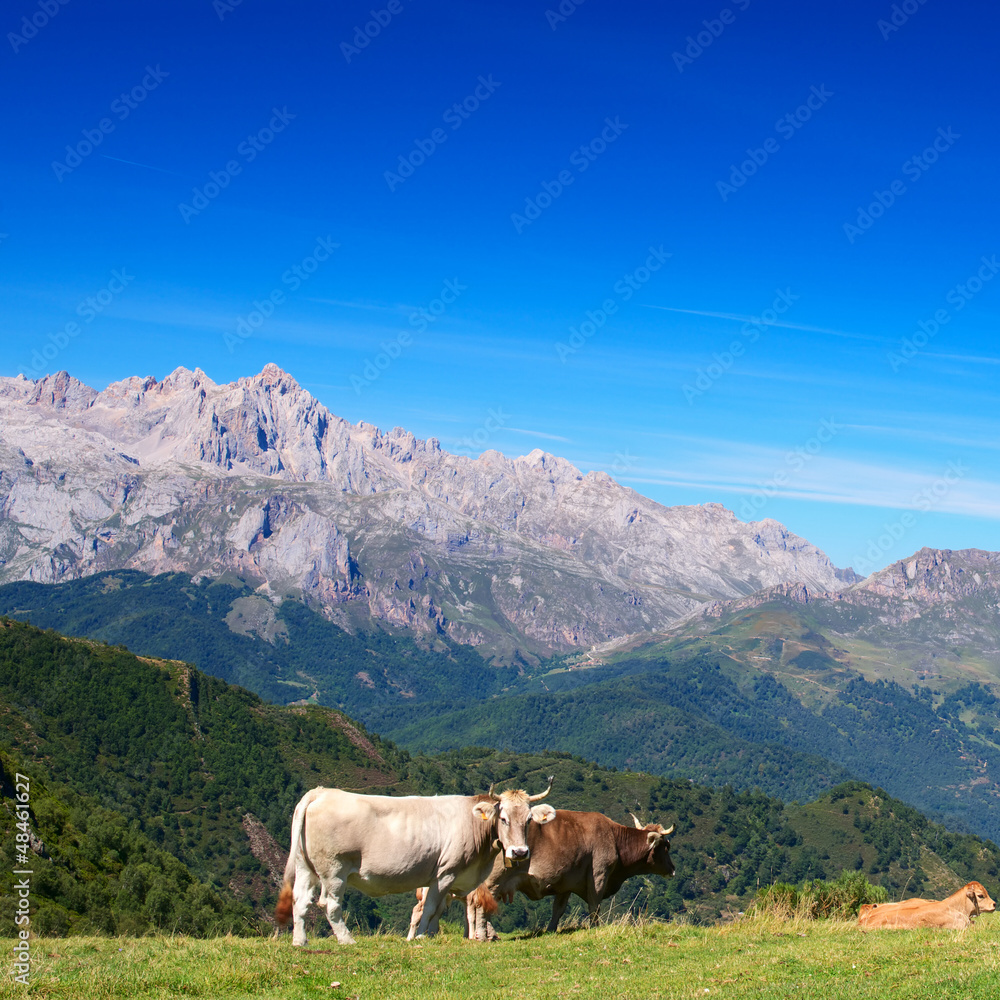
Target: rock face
258, 479
943, 581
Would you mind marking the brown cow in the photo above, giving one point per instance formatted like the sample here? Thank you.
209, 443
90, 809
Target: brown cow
952, 914
586, 854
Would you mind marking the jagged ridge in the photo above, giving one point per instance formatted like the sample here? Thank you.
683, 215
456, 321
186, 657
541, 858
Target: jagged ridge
259, 479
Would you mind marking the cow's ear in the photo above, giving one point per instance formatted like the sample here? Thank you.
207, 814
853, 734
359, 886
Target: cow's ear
543, 814
653, 838
485, 810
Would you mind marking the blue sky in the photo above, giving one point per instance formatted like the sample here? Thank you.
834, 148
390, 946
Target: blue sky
740, 253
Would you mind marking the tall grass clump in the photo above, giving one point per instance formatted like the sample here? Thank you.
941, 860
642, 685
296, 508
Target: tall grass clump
839, 899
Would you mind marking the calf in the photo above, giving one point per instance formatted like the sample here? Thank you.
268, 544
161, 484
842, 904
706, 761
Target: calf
952, 914
479, 904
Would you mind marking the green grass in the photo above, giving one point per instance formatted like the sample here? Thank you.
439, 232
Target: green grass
752, 958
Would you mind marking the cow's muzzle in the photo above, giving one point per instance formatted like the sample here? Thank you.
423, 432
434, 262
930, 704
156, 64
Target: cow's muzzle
515, 854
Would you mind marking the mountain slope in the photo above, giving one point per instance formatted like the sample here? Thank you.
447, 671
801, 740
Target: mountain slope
681, 715
931, 621
286, 653
897, 677
259, 480
799, 704
124, 753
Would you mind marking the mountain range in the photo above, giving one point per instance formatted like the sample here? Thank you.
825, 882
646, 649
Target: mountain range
247, 529
259, 481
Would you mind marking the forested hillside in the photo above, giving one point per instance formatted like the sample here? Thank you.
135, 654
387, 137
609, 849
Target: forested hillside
700, 716
786, 717
283, 652
95, 871
156, 783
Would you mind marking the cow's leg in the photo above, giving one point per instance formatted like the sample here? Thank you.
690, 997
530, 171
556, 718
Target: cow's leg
302, 892
559, 904
416, 914
333, 887
469, 920
433, 900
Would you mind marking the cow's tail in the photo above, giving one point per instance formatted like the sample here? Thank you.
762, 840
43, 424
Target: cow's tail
286, 899
485, 900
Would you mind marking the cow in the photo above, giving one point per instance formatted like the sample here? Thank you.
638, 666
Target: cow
583, 853
952, 914
479, 904
381, 844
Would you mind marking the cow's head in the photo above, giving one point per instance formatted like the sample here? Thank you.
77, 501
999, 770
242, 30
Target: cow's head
510, 813
659, 845
980, 898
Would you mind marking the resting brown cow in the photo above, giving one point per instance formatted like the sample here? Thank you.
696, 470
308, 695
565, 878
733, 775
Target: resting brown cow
952, 914
585, 854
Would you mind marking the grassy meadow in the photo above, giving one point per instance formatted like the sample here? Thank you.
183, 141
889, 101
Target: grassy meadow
762, 957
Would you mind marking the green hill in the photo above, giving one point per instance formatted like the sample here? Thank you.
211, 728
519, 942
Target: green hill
156, 782
772, 696
94, 871
699, 715
283, 653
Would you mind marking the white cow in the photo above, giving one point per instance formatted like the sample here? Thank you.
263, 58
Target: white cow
382, 844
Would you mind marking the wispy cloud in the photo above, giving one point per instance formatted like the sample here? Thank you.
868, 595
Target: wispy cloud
990, 441
538, 434
145, 166
972, 359
363, 304
738, 318
735, 467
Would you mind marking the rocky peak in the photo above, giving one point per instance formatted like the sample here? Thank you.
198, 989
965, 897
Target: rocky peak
61, 392
273, 377
553, 468
936, 575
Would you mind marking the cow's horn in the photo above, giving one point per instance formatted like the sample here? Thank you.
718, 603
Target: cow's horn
635, 819
541, 795
490, 792
669, 830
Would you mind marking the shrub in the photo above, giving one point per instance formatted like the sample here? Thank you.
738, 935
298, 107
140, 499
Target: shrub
839, 899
